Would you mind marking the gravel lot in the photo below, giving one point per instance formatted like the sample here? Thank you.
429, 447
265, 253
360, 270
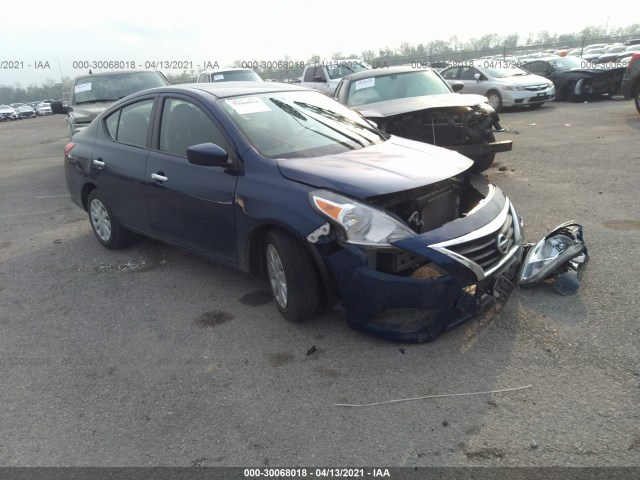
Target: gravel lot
150, 356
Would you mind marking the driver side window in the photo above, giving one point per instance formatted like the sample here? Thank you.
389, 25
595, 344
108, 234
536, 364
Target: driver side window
183, 125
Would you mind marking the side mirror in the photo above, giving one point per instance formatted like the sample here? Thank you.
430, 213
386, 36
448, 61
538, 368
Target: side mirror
458, 85
319, 79
208, 155
477, 76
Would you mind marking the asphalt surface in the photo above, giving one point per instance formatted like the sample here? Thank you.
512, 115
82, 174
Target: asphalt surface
150, 356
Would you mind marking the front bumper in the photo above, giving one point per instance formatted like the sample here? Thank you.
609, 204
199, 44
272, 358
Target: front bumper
522, 98
418, 307
483, 148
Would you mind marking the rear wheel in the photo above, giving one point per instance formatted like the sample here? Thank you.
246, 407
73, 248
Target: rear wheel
104, 224
292, 276
637, 98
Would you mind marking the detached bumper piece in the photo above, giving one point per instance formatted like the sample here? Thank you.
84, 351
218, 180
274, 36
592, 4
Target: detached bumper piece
461, 269
559, 255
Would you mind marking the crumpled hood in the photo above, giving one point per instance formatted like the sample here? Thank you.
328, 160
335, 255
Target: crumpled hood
597, 71
392, 166
89, 111
413, 104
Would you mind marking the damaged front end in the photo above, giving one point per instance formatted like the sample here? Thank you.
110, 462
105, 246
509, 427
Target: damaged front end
420, 261
467, 129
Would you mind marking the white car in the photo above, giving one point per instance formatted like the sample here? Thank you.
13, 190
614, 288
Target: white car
43, 109
229, 75
503, 83
8, 113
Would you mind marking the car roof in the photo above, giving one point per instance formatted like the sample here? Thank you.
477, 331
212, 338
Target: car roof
381, 72
231, 89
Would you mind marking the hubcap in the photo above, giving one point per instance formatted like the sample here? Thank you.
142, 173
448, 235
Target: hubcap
494, 101
100, 220
276, 276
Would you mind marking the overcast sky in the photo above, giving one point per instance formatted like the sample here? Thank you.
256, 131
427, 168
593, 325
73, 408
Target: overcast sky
62, 32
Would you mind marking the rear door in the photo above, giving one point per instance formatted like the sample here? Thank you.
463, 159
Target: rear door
119, 161
191, 205
471, 85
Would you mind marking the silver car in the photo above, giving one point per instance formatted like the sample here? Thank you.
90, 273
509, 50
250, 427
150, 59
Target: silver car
503, 83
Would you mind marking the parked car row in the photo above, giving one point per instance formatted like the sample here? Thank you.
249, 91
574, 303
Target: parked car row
20, 111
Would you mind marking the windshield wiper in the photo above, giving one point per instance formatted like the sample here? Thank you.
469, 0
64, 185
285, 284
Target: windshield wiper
289, 109
340, 118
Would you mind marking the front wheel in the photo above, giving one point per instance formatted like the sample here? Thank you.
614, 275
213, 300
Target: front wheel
104, 224
292, 276
495, 100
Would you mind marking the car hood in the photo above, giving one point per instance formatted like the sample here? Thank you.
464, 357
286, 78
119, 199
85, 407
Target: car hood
394, 165
87, 112
595, 71
413, 104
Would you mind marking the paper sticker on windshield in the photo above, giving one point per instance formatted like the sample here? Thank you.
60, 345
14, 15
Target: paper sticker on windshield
83, 87
248, 105
217, 77
365, 83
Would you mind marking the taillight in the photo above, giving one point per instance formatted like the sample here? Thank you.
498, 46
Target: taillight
633, 58
68, 147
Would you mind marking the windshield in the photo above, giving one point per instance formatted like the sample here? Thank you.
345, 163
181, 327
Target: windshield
342, 68
236, 76
506, 72
566, 63
299, 124
109, 88
395, 86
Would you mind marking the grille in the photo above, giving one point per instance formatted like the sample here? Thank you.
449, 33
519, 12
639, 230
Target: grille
484, 250
535, 88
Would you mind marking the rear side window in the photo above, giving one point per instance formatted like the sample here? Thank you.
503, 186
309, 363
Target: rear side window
130, 124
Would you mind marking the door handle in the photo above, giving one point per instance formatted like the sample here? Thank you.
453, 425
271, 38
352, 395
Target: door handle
159, 178
98, 162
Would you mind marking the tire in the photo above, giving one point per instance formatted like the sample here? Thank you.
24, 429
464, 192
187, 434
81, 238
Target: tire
636, 98
293, 277
495, 100
104, 224
483, 162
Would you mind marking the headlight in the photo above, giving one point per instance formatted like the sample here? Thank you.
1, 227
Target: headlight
546, 256
360, 223
512, 87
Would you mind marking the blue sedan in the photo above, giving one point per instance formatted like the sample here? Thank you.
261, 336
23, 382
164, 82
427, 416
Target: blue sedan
283, 181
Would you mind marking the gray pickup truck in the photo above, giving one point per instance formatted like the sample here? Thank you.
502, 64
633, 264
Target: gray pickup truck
325, 75
94, 92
